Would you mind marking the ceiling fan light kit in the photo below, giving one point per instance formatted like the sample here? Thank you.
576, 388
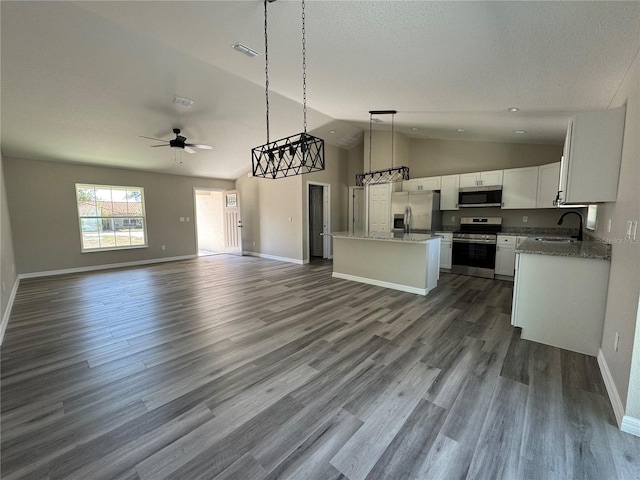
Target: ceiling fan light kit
296, 154
387, 175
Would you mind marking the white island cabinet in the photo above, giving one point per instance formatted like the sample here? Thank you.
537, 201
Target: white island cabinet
409, 263
559, 300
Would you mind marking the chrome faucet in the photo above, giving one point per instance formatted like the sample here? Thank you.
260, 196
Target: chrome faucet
579, 237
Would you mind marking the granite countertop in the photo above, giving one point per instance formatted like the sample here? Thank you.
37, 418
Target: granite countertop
593, 249
389, 237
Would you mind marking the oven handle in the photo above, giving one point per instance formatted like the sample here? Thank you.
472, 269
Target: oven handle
466, 240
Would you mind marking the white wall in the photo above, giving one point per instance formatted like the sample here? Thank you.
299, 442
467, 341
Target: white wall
621, 315
8, 273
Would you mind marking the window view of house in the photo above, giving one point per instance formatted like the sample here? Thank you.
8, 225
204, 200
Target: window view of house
111, 217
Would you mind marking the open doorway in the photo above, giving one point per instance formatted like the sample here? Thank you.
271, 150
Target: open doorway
318, 240
209, 221
356, 210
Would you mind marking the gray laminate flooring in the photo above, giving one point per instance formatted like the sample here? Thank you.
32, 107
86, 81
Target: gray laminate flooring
243, 368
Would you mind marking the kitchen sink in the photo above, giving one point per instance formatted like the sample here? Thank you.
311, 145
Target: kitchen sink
556, 239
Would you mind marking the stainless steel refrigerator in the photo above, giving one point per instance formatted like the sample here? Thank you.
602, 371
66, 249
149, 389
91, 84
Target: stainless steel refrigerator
415, 212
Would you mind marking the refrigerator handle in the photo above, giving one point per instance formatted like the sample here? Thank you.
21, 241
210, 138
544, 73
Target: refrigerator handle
407, 221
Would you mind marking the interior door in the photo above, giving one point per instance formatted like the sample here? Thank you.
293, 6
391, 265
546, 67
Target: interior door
357, 210
232, 222
316, 220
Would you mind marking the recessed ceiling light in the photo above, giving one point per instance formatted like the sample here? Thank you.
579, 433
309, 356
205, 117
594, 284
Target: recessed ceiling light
183, 102
332, 131
519, 132
513, 109
415, 129
462, 130
249, 52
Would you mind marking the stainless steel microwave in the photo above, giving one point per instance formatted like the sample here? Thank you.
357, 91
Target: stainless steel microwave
484, 196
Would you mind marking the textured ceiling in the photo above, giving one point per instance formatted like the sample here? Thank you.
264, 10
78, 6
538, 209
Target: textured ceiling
82, 80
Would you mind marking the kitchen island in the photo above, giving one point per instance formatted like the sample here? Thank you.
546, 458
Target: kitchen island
560, 292
409, 263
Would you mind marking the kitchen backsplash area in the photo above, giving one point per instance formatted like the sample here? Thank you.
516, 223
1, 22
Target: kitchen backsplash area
538, 220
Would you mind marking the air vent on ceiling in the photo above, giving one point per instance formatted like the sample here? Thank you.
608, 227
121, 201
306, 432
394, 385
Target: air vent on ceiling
183, 102
249, 52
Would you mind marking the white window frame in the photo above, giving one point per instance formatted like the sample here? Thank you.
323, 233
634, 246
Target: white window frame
127, 215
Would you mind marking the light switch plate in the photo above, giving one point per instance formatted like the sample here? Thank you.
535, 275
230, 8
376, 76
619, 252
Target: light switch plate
525, 219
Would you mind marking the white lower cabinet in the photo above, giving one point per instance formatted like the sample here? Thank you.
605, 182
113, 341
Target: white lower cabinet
560, 301
505, 255
446, 249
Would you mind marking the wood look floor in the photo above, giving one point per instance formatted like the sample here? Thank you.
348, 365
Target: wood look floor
242, 368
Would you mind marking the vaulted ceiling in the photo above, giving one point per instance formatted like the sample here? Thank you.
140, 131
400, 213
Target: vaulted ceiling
81, 81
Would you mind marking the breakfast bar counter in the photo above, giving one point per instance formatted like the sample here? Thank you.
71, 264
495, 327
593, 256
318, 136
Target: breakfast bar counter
410, 263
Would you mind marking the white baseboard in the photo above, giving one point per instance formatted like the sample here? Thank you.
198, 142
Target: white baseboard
274, 257
92, 268
630, 425
380, 283
614, 397
7, 312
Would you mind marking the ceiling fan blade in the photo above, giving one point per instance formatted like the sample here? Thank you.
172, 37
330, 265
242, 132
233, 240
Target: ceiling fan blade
200, 146
163, 145
189, 149
151, 138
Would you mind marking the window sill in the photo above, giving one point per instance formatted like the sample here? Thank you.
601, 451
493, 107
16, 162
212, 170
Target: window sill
111, 249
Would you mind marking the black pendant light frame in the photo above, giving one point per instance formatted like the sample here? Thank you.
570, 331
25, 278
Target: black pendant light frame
296, 154
386, 175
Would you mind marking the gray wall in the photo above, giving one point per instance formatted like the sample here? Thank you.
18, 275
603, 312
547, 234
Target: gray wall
428, 158
44, 217
8, 273
624, 281
274, 212
541, 217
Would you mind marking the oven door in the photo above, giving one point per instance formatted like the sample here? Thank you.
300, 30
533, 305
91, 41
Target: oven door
473, 257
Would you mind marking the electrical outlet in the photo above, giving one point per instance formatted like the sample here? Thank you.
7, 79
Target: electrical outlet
525, 219
188, 219
163, 247
453, 218
291, 219
254, 244
615, 342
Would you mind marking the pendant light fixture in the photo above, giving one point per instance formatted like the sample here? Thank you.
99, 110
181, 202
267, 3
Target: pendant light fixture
388, 175
296, 154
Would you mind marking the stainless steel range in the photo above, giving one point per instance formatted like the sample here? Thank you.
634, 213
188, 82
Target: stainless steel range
474, 246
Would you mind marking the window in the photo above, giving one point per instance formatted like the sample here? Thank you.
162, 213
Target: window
111, 217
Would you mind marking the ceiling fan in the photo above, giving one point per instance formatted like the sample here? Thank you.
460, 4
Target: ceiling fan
179, 142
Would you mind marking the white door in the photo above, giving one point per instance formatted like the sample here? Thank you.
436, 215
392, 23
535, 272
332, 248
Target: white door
232, 223
379, 208
316, 220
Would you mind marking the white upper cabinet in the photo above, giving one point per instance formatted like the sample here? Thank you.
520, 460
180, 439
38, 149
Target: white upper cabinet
519, 187
591, 163
477, 179
419, 184
449, 185
410, 185
429, 183
548, 177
